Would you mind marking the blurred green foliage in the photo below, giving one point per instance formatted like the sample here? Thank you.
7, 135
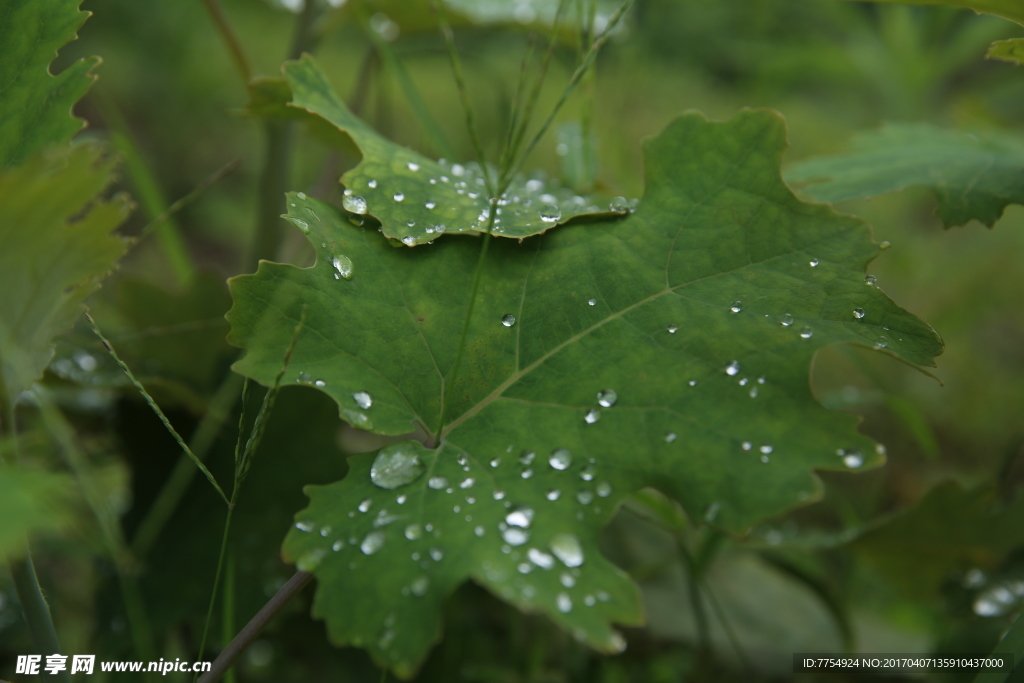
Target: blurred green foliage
795, 583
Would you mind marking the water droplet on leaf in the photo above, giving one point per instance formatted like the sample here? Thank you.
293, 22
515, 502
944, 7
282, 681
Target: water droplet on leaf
354, 204
508, 320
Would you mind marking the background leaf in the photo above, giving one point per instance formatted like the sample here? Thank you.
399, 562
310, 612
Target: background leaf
974, 176
32, 502
1011, 50
701, 311
36, 104
1008, 9
55, 247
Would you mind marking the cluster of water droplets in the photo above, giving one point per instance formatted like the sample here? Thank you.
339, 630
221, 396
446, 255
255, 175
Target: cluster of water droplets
994, 597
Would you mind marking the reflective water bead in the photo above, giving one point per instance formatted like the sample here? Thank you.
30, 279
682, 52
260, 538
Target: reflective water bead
365, 505
540, 558
342, 264
396, 466
372, 184
619, 205
508, 320
561, 458
567, 580
498, 494
515, 535
766, 449
550, 213
564, 603
592, 416
520, 516
806, 333
479, 531
584, 497
604, 489
607, 398
882, 342
526, 457
362, 399
553, 494
413, 166
566, 548
858, 313
495, 462
354, 204
373, 542
408, 240
736, 306
305, 526
672, 329
853, 460
670, 437
746, 445
814, 263
419, 586
436, 554
587, 473
413, 532
592, 302
338, 545
399, 196
467, 483
786, 320
733, 368
437, 483
870, 280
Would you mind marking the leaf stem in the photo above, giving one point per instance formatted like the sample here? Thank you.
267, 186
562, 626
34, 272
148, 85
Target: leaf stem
460, 85
156, 409
230, 38
252, 630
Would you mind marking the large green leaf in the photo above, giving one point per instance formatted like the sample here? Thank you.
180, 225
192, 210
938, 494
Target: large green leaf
36, 105
702, 311
974, 176
32, 502
416, 198
55, 247
1009, 9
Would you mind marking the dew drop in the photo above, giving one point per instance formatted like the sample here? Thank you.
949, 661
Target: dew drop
550, 213
587, 473
564, 603
672, 329
733, 368
585, 497
399, 196
362, 399
746, 445
436, 554
519, 516
437, 483
515, 536
354, 204
408, 240
419, 586
567, 580
560, 459
814, 263
870, 280
499, 494
670, 437
858, 313
591, 302
338, 545
396, 466
540, 558
508, 320
786, 320
373, 542
806, 333
372, 184
430, 204
320, 384
566, 548
414, 532
365, 505
604, 489
342, 264
882, 342
479, 531
305, 526
467, 483
853, 459
553, 494
619, 205
413, 166
607, 398
736, 306
766, 449
592, 416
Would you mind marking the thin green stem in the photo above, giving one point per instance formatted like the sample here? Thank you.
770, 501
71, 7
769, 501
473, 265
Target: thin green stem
61, 432
279, 144
156, 409
228, 611
216, 583
36, 611
517, 102
394, 65
181, 476
230, 38
180, 204
460, 85
23, 572
693, 584
577, 76
147, 188
727, 626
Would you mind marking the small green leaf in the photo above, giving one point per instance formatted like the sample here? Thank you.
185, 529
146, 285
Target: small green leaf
32, 502
36, 105
1008, 9
55, 248
670, 350
974, 175
1011, 50
416, 198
